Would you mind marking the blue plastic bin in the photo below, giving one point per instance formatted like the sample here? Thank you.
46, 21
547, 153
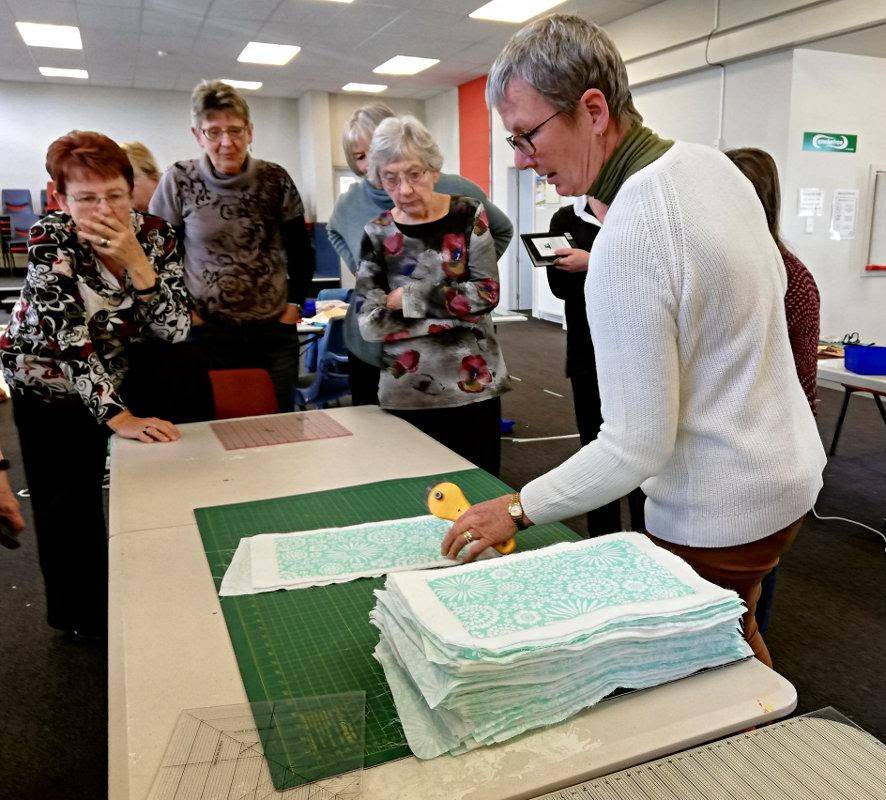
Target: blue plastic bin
865, 360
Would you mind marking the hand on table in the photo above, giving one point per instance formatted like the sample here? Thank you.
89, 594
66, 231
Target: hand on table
394, 301
489, 524
571, 259
145, 429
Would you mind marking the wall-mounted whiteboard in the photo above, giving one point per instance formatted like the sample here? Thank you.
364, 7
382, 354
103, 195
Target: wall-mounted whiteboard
874, 251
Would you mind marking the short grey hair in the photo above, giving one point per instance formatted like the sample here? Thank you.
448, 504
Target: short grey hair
399, 138
561, 56
361, 126
209, 96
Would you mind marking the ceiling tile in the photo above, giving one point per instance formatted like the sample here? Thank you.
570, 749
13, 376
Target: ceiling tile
96, 17
244, 29
238, 9
43, 11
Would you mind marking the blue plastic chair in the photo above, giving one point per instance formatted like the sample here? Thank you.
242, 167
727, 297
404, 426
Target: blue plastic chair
335, 294
17, 201
329, 380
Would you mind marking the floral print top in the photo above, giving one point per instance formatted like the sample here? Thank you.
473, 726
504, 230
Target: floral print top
68, 330
440, 350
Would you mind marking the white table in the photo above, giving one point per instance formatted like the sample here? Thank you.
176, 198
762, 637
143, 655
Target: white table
834, 370
502, 317
169, 648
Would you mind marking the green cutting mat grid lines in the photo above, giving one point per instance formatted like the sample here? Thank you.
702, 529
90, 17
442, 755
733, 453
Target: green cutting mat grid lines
319, 641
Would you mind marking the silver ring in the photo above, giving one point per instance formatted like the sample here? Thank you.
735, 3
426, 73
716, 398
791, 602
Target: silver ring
145, 429
105, 242
469, 536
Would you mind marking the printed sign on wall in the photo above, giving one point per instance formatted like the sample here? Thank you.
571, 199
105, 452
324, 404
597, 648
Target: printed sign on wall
829, 142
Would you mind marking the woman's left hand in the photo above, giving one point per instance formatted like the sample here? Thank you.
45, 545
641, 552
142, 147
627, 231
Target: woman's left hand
489, 524
394, 301
115, 243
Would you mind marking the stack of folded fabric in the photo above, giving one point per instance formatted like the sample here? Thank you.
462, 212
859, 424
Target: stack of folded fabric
479, 653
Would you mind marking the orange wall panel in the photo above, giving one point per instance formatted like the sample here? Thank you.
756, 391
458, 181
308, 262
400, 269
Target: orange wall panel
473, 132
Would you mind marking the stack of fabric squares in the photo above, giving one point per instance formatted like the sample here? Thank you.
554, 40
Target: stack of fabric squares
479, 653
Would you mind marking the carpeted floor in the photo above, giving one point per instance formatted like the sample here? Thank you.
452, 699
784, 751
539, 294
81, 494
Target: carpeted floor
827, 635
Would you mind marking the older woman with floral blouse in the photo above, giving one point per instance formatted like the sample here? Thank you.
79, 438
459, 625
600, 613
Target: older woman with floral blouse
100, 276
426, 284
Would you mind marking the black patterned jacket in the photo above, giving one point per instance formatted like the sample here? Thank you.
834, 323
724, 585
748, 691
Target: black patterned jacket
69, 328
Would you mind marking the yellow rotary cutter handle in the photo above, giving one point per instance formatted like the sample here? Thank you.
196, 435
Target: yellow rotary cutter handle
447, 501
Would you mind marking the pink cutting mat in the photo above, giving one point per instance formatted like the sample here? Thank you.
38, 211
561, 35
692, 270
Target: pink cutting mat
302, 426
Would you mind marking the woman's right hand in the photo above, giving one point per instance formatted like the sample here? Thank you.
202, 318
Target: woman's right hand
145, 429
572, 259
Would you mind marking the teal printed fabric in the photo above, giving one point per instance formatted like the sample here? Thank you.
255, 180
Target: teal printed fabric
359, 549
518, 595
301, 559
479, 653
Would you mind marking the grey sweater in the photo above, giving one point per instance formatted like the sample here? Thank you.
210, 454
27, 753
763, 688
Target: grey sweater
362, 203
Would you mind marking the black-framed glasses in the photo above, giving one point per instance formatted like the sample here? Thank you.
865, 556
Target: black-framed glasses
523, 141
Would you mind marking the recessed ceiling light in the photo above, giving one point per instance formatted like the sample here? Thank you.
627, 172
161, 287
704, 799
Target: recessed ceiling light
513, 10
266, 53
55, 72
251, 85
37, 34
405, 65
371, 88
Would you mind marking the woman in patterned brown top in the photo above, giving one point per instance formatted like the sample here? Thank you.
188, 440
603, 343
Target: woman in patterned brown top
427, 282
99, 277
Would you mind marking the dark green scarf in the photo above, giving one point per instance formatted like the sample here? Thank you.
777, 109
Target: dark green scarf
637, 150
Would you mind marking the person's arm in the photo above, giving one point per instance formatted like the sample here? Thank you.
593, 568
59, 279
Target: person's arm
558, 280
164, 312
10, 509
166, 202
460, 299
300, 258
56, 303
633, 313
339, 243
499, 225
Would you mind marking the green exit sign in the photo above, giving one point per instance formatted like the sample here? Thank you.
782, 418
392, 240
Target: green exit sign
829, 142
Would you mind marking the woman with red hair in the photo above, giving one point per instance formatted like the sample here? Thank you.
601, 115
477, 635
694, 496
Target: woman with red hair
100, 276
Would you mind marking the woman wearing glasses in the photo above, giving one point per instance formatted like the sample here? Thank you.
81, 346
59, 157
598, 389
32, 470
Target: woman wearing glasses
685, 300
248, 257
426, 284
100, 276
364, 201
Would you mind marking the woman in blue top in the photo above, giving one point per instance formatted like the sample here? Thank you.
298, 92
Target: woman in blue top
363, 202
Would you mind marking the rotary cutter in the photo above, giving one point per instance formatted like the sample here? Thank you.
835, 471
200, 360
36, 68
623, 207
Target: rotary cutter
447, 501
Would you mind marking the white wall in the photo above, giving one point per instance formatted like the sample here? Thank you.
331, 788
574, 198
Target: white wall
33, 115
441, 113
341, 106
836, 93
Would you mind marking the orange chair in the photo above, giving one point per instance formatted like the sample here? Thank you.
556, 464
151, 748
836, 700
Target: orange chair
242, 393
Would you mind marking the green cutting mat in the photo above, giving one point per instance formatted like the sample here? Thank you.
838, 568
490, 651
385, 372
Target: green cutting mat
319, 641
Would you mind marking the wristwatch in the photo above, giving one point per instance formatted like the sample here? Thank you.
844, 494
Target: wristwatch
515, 512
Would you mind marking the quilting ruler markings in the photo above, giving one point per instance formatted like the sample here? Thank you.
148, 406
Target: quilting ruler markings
820, 756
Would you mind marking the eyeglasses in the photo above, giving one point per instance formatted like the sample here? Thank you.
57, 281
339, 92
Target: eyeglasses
392, 182
215, 134
523, 141
112, 199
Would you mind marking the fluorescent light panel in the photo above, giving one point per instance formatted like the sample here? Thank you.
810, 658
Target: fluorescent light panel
250, 85
513, 10
266, 53
36, 34
370, 88
405, 65
56, 72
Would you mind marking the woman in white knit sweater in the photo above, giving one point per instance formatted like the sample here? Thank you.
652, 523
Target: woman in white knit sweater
701, 403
